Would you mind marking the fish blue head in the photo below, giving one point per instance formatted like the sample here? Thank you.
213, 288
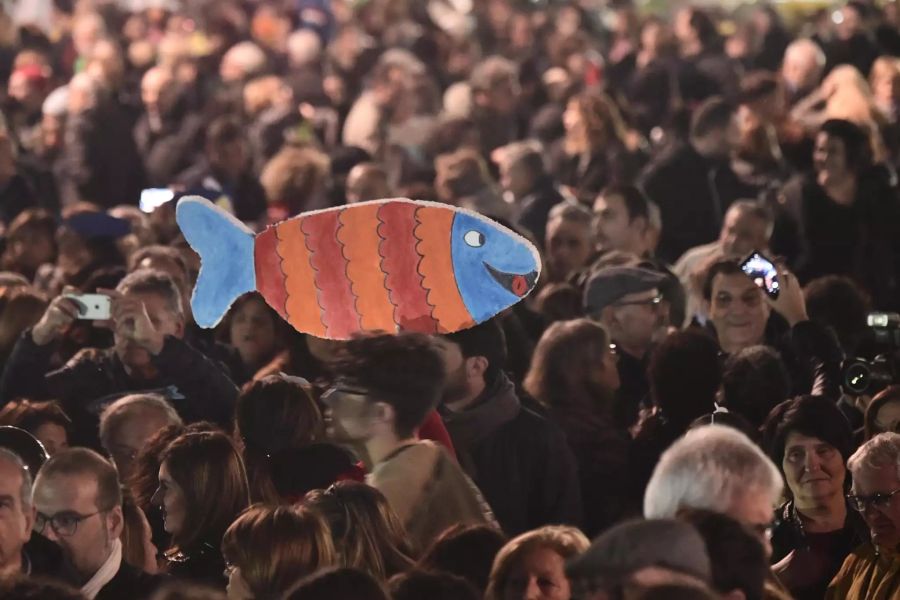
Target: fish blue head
494, 266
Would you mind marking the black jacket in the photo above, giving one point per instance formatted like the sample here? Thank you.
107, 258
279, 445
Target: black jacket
130, 583
203, 564
826, 551
518, 459
169, 150
245, 192
693, 193
41, 557
535, 208
195, 385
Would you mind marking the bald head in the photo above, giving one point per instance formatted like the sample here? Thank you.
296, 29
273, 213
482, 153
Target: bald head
127, 424
804, 63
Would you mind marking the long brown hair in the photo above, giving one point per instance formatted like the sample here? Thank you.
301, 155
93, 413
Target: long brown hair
602, 124
209, 470
368, 534
562, 357
274, 546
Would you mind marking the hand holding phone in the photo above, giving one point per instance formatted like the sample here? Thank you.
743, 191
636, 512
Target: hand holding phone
91, 307
787, 299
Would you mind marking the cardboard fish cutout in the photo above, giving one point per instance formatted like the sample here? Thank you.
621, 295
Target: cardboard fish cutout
391, 265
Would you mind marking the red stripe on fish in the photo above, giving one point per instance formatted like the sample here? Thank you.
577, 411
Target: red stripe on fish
330, 266
270, 280
400, 264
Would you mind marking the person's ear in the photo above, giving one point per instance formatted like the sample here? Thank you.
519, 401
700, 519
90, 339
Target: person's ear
476, 367
608, 316
383, 413
115, 521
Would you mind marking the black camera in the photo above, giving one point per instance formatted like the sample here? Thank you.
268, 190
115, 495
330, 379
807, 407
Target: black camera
861, 376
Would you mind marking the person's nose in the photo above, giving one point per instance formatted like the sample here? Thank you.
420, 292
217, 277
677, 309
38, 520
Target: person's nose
157, 498
50, 533
532, 590
812, 462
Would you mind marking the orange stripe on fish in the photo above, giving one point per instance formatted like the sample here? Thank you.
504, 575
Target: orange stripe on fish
270, 280
400, 264
299, 279
359, 236
433, 234
330, 266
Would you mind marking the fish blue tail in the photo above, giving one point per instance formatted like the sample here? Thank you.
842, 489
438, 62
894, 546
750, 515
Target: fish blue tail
225, 246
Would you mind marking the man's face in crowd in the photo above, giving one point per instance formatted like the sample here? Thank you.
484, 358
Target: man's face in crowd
153, 89
635, 319
74, 498
829, 158
742, 233
800, 70
516, 179
569, 245
739, 312
131, 434
25, 92
164, 319
753, 507
51, 132
457, 386
53, 436
884, 520
503, 97
16, 519
614, 228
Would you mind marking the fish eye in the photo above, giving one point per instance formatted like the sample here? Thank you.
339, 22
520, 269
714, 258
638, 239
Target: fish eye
474, 239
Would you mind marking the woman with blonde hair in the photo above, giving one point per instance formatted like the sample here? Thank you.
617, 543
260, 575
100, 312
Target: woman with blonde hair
269, 548
367, 534
533, 565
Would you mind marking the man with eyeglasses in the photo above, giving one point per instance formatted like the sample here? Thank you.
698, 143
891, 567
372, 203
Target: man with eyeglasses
872, 571
627, 301
79, 507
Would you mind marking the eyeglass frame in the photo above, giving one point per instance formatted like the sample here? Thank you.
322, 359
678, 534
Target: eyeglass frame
41, 521
869, 501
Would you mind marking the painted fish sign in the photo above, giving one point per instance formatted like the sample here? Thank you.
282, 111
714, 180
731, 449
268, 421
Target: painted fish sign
390, 265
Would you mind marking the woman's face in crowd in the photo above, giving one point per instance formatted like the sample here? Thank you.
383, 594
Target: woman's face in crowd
829, 157
814, 469
888, 417
539, 575
569, 246
52, 436
573, 120
252, 332
170, 498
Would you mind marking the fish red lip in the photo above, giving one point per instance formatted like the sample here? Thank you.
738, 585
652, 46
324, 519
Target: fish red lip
517, 284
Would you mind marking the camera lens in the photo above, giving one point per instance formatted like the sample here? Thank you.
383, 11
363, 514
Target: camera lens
857, 377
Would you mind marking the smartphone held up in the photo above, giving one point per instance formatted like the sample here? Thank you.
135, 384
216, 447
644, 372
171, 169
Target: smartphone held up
92, 307
763, 272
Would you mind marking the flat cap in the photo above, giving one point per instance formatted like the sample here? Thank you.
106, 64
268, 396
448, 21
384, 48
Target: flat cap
609, 285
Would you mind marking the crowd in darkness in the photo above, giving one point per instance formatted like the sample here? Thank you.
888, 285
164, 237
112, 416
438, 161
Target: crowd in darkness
648, 423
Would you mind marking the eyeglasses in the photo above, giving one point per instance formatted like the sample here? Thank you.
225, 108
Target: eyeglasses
879, 500
651, 302
63, 523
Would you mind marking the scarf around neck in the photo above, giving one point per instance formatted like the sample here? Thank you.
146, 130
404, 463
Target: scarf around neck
105, 573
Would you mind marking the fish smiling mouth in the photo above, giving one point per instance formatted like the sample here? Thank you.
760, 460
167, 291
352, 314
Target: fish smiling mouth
516, 284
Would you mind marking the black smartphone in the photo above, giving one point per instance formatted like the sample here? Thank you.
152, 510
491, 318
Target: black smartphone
763, 272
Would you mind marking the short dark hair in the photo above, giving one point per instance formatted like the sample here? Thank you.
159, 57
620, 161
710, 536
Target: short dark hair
813, 416
725, 266
738, 558
159, 251
713, 114
467, 551
685, 374
857, 146
404, 370
434, 585
83, 461
840, 303
29, 415
152, 281
754, 381
635, 201
485, 339
337, 584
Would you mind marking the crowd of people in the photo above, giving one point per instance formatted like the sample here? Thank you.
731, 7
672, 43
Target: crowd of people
649, 423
